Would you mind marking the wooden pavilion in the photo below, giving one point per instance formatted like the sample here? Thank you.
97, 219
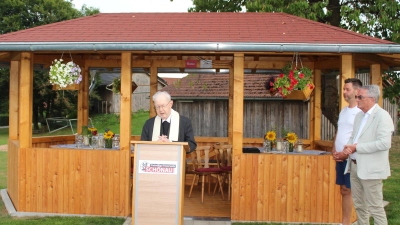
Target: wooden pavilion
266, 187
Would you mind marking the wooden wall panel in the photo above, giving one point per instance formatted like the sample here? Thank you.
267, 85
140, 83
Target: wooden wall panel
259, 117
12, 172
287, 188
94, 182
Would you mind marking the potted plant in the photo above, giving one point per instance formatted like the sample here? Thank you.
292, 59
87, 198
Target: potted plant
116, 85
65, 76
293, 83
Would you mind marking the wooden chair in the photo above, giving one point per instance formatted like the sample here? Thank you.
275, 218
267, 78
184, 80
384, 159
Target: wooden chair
202, 170
224, 152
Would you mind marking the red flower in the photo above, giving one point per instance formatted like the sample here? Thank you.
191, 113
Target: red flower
301, 75
281, 75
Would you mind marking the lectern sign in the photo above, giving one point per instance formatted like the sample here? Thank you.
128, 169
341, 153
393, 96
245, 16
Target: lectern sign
158, 167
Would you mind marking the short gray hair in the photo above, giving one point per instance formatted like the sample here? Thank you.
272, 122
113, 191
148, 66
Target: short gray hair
372, 91
162, 93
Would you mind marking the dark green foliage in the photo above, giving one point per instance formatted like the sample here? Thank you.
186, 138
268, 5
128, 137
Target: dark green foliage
217, 6
24, 14
392, 91
4, 120
4, 89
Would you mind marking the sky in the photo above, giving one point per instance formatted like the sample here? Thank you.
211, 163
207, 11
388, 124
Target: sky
115, 6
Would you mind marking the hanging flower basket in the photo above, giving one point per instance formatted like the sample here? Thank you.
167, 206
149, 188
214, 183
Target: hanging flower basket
301, 94
293, 83
65, 76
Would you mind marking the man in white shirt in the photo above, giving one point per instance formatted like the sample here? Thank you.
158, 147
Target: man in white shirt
345, 128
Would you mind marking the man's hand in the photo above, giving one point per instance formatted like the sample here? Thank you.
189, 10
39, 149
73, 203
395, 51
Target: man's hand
339, 156
349, 149
163, 138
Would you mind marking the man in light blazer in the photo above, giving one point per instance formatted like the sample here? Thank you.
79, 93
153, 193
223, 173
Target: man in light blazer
368, 149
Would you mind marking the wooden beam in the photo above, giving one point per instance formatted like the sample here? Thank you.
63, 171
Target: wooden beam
83, 99
153, 88
14, 100
317, 105
347, 71
238, 99
126, 101
376, 78
236, 94
230, 105
25, 100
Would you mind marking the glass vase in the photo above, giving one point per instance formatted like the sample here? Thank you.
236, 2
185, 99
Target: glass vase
108, 143
267, 146
290, 147
87, 140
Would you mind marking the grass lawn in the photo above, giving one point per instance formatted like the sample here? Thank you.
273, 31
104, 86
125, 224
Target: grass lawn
3, 136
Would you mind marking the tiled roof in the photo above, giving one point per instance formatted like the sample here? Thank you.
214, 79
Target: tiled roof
191, 27
217, 86
170, 80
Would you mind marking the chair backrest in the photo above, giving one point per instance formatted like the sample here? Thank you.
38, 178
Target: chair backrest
224, 152
201, 158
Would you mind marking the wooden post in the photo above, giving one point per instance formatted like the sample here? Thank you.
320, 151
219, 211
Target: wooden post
153, 87
317, 105
14, 101
238, 99
376, 78
83, 99
25, 100
230, 105
347, 69
236, 93
126, 101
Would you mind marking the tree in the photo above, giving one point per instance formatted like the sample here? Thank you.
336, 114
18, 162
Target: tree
217, 6
23, 14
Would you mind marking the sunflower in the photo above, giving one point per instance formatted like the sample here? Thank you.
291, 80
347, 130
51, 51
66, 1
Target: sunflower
291, 137
108, 134
270, 135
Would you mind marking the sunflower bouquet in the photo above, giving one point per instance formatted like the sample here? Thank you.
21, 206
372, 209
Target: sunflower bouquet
108, 135
291, 137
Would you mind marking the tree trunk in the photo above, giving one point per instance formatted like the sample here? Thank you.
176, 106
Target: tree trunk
335, 18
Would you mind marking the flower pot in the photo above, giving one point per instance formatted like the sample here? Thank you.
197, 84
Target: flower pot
300, 94
71, 87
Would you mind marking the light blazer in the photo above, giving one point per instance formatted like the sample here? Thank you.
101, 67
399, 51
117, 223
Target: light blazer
373, 144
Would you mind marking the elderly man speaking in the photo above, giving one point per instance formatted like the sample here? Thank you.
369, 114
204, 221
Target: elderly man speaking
168, 125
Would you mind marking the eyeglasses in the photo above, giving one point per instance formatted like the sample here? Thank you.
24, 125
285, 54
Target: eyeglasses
161, 106
360, 97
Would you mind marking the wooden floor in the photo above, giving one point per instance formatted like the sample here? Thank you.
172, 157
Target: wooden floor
213, 206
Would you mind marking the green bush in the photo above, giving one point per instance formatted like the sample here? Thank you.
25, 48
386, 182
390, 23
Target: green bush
3, 119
